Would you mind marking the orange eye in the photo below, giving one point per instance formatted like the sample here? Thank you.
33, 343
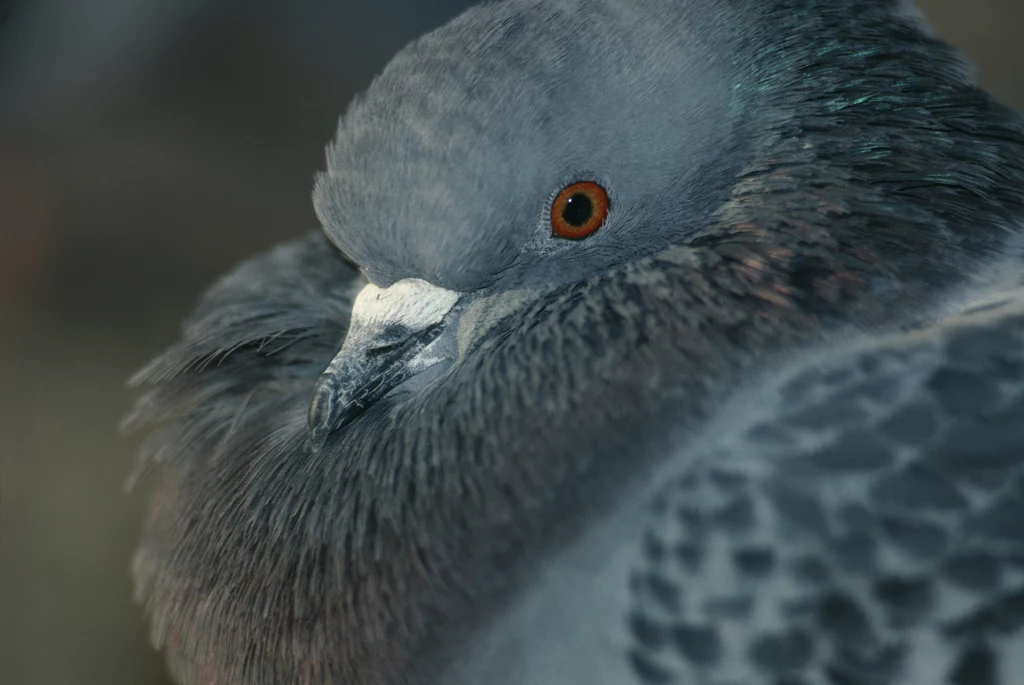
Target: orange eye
579, 210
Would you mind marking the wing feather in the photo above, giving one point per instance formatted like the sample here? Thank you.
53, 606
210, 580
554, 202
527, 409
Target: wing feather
867, 530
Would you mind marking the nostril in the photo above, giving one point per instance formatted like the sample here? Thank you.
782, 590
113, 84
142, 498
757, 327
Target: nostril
385, 348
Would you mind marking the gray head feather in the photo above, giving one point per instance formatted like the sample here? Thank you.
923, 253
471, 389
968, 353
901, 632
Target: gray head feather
446, 168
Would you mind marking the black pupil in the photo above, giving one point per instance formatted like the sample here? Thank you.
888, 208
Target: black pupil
577, 210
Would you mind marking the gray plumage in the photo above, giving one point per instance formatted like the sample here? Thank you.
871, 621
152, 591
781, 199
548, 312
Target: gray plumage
868, 531
745, 432
532, 84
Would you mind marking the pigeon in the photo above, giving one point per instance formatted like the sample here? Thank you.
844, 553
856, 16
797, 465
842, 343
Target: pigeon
646, 341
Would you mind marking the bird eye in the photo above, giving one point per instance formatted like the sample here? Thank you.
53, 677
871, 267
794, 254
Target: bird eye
579, 210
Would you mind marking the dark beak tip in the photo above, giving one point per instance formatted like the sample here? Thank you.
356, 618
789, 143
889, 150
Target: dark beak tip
358, 378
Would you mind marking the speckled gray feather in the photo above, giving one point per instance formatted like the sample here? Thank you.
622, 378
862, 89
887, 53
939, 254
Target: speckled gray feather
866, 528
785, 175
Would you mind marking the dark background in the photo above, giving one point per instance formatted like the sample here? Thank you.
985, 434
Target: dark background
145, 147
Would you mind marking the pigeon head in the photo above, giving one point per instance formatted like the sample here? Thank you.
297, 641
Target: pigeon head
523, 146
447, 168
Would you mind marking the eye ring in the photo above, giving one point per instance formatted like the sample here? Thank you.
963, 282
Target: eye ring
579, 209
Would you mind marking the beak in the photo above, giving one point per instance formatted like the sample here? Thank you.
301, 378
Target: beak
388, 343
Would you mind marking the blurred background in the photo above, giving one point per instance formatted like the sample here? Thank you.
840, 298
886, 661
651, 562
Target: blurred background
146, 146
